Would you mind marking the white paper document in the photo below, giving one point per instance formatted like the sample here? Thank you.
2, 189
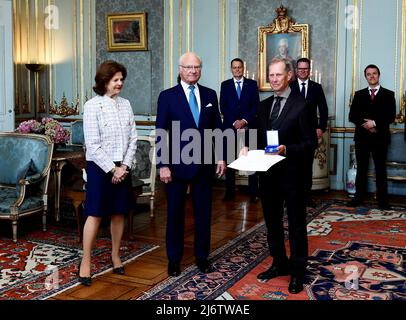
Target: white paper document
256, 160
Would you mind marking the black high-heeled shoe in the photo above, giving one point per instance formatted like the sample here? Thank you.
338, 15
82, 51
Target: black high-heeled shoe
118, 270
86, 281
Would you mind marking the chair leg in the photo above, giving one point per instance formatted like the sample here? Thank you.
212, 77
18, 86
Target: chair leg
130, 225
151, 207
14, 228
78, 213
44, 221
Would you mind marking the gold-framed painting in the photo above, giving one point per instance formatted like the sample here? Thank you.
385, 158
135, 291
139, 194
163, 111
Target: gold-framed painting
281, 39
126, 31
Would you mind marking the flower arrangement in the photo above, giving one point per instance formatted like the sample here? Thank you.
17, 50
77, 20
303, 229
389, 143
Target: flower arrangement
48, 126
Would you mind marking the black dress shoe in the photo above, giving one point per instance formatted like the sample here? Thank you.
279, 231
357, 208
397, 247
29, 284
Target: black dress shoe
228, 198
118, 270
86, 281
204, 266
272, 272
355, 203
384, 206
254, 199
311, 203
173, 269
295, 285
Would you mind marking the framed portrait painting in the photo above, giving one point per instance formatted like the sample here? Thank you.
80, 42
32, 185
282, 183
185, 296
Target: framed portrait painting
126, 31
282, 39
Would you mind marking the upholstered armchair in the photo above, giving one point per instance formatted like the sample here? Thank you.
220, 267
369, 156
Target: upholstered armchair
25, 161
77, 135
144, 169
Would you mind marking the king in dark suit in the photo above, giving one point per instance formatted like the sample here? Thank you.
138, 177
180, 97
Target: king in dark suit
288, 113
372, 110
314, 94
239, 99
187, 110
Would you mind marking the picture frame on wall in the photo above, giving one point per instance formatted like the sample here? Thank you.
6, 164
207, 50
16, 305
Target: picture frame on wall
281, 39
126, 31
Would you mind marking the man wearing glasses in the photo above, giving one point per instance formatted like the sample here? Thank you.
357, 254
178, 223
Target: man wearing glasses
186, 110
314, 94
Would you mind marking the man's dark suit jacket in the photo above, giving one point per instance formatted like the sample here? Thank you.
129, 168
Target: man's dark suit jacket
382, 110
285, 180
173, 109
294, 130
173, 106
316, 98
233, 108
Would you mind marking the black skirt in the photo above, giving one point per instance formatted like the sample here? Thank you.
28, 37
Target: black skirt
103, 198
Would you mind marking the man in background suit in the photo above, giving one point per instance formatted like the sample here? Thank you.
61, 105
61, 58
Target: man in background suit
288, 113
314, 94
239, 99
190, 107
372, 110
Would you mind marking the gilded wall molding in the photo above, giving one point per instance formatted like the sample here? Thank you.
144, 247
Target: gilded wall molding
171, 42
35, 42
188, 25
180, 19
400, 117
354, 50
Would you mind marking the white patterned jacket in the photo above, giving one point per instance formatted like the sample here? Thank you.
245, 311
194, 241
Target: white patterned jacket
110, 131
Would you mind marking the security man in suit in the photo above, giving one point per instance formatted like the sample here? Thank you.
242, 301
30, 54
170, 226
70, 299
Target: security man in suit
372, 110
187, 109
239, 99
314, 94
283, 184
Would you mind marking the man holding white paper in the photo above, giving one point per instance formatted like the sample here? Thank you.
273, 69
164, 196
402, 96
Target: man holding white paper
284, 128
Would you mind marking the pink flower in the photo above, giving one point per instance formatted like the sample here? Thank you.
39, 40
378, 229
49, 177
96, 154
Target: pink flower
48, 126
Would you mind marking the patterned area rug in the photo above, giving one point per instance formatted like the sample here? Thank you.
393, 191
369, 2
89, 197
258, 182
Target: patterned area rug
357, 254
43, 264
231, 262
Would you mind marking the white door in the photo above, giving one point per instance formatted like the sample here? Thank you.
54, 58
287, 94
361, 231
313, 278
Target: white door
6, 67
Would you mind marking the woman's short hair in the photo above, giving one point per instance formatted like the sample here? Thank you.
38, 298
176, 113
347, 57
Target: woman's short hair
105, 72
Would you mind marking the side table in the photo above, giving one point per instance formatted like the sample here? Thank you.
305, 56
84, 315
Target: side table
77, 193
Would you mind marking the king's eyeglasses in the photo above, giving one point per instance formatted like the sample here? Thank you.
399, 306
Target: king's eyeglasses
190, 68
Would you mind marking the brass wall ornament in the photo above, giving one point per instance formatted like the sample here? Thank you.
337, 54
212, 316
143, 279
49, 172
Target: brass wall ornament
64, 109
283, 38
282, 23
400, 117
321, 153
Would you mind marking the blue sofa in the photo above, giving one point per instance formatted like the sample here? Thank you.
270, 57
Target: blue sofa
25, 162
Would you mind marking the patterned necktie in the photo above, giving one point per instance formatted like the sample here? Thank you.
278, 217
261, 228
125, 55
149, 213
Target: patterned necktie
194, 107
238, 89
303, 91
373, 94
275, 110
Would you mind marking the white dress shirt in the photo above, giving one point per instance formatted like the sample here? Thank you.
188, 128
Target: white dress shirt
377, 89
306, 85
110, 132
241, 82
186, 89
376, 92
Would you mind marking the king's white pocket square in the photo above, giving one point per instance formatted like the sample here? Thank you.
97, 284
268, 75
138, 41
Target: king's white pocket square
209, 105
